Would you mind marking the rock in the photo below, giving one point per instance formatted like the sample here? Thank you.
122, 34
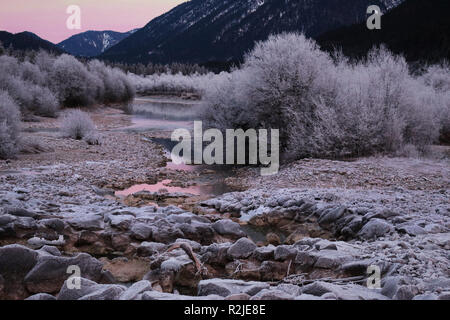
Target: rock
406, 292
216, 254
25, 223
36, 242
390, 285
57, 225
330, 216
50, 250
227, 287
6, 219
50, 272
329, 296
41, 296
272, 294
375, 228
330, 259
342, 292
16, 261
264, 253
284, 252
147, 249
135, 290
20, 212
356, 268
307, 297
241, 249
156, 295
411, 229
238, 296
87, 222
444, 296
426, 296
86, 287
105, 292
325, 245
141, 231
305, 259
121, 222
228, 228
289, 289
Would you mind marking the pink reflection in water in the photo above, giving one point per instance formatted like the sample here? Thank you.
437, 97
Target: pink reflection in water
194, 190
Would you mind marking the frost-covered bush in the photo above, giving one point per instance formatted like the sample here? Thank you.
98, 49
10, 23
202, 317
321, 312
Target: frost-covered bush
73, 83
172, 83
116, 87
325, 107
438, 77
40, 83
9, 126
77, 124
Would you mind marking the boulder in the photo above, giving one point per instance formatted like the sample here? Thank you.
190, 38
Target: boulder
343, 292
241, 249
41, 296
272, 294
375, 228
50, 272
227, 287
87, 222
228, 228
141, 231
135, 290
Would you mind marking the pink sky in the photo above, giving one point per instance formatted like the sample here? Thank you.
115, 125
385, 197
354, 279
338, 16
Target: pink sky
47, 18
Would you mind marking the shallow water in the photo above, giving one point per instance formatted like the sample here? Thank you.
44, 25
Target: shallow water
161, 114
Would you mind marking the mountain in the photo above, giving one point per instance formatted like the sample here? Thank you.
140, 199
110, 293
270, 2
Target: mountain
418, 29
92, 43
27, 41
199, 31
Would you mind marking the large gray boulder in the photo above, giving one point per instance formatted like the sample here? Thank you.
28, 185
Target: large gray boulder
343, 292
49, 274
226, 287
241, 249
375, 228
228, 228
15, 263
87, 222
136, 290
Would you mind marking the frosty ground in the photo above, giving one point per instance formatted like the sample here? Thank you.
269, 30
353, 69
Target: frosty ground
309, 232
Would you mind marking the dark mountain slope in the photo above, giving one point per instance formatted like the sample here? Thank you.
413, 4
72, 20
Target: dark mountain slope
419, 29
92, 43
27, 41
220, 30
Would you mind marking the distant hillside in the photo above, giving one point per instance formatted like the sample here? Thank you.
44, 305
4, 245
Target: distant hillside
92, 43
26, 41
419, 29
201, 31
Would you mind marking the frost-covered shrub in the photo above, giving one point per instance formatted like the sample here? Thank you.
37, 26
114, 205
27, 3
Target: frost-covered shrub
9, 126
325, 107
77, 124
44, 102
176, 84
73, 83
116, 86
438, 77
